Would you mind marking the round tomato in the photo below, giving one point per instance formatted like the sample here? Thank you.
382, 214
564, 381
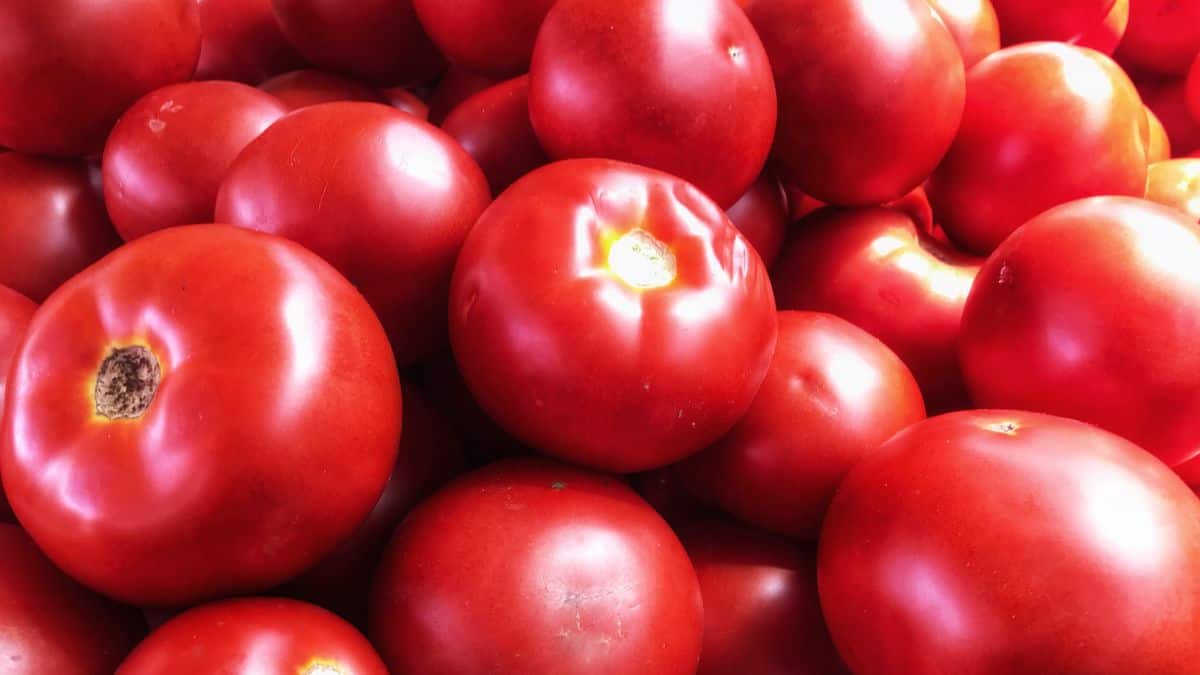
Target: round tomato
1158, 147
456, 86
611, 315
403, 99
1163, 35
205, 411
493, 127
535, 568
762, 216
1062, 20
1176, 183
485, 36
240, 40
1168, 99
1010, 543
973, 24
165, 159
302, 88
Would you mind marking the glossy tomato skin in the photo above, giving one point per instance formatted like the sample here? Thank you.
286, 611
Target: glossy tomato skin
493, 127
303, 88
1032, 111
1158, 147
833, 393
1090, 311
1005, 543
254, 636
681, 86
52, 223
1176, 183
167, 155
62, 87
536, 568
1168, 100
319, 177
485, 36
1063, 21
762, 216
403, 99
579, 361
1163, 35
275, 420
16, 311
240, 40
973, 24
456, 86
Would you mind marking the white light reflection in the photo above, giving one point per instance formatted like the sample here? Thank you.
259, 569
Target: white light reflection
1167, 247
1124, 517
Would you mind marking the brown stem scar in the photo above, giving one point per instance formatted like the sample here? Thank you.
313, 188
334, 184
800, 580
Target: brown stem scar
126, 383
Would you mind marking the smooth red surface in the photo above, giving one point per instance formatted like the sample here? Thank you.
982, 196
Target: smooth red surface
1158, 149
52, 223
570, 358
1032, 112
240, 40
1163, 35
1193, 89
268, 440
1168, 99
303, 88
1062, 20
167, 155
15, 312
1176, 183
254, 636
485, 36
536, 568
762, 216
383, 196
1011, 543
973, 24
493, 127
682, 86
403, 99
1107, 34
456, 86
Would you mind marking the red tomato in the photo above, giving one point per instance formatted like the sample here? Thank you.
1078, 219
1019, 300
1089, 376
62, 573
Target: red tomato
1158, 148
1032, 112
16, 311
493, 127
485, 36
178, 429
878, 270
168, 153
1163, 35
682, 86
70, 67
535, 568
848, 73
762, 216
456, 86
1176, 183
255, 636
379, 41
833, 393
611, 315
762, 615
52, 223
1012, 543
1193, 90
1168, 100
1091, 311
240, 40
403, 99
1106, 35
973, 24
1062, 20
302, 88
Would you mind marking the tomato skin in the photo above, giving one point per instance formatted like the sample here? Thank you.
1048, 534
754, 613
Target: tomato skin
1107, 34
536, 568
303, 88
677, 85
1176, 183
1032, 111
240, 40
456, 86
241, 443
1004, 543
613, 382
493, 127
254, 636
485, 36
318, 177
1063, 21
973, 24
16, 311
1192, 89
762, 216
1168, 99
1163, 35
1158, 148
167, 155
403, 99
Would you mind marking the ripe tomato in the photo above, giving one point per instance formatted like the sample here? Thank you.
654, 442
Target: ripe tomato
1168, 100
383, 196
240, 40
168, 153
1063, 20
178, 429
1091, 311
70, 67
611, 315
531, 567
302, 88
1011, 543
493, 127
973, 24
1163, 35
833, 393
762, 216
682, 86
848, 73
485, 36
456, 86
1158, 147
255, 636
1032, 112
403, 99
1176, 183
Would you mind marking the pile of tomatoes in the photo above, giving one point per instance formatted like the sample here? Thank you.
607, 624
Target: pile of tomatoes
600, 337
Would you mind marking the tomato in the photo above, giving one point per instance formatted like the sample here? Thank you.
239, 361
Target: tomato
168, 153
240, 40
855, 76
1168, 100
974, 26
1163, 35
16, 311
1158, 148
1064, 20
833, 393
456, 86
611, 315
178, 429
70, 67
1010, 543
878, 270
1106, 35
255, 636
485, 36
761, 610
1032, 112
302, 88
531, 567
1176, 183
493, 127
52, 223
762, 216
379, 41
682, 86
403, 99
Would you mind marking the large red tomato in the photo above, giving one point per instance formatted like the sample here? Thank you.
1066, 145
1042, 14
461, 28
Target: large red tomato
1163, 35
535, 568
383, 196
206, 411
302, 88
254, 636
682, 86
1061, 20
973, 25
52, 223
1168, 99
240, 40
1033, 111
762, 216
69, 68
485, 36
1012, 543
493, 127
611, 315
1091, 311
165, 159
1176, 183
